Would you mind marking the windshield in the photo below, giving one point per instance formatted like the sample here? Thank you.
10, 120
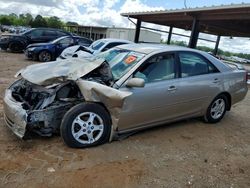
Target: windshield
59, 39
121, 60
27, 32
97, 45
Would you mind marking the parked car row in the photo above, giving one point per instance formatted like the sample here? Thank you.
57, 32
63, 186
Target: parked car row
13, 29
95, 48
45, 52
44, 44
18, 42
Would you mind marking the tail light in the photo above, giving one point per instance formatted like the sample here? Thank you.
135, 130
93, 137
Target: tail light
247, 76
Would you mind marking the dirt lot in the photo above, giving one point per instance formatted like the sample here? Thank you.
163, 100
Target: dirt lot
184, 154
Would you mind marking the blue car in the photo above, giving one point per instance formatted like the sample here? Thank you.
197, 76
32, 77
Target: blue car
50, 51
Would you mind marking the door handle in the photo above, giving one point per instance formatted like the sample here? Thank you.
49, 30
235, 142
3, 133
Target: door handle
216, 80
171, 88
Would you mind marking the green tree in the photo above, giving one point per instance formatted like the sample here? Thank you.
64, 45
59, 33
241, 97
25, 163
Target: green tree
54, 22
14, 19
5, 20
71, 23
39, 21
25, 19
28, 19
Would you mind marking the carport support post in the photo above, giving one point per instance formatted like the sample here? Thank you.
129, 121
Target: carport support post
217, 45
137, 31
194, 34
170, 34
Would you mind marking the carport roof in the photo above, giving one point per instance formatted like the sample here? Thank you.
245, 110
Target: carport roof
224, 20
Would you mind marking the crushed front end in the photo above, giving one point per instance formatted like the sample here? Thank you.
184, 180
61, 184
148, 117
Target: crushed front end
30, 107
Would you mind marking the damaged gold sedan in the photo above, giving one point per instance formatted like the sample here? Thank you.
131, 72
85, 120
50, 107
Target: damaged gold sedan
131, 87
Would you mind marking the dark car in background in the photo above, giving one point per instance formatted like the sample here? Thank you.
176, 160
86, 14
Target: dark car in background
50, 51
17, 43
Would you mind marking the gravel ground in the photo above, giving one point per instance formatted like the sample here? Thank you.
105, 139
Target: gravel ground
183, 154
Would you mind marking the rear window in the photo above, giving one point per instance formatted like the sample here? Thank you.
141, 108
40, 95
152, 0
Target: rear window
60, 33
97, 45
193, 64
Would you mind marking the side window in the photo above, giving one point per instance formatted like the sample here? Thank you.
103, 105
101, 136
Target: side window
66, 42
49, 33
157, 68
111, 45
36, 33
193, 64
59, 33
82, 41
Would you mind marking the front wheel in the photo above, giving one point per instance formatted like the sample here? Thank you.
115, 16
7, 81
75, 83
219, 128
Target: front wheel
216, 109
44, 56
15, 47
86, 125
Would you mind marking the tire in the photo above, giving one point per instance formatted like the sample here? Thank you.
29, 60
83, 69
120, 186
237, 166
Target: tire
216, 109
44, 56
77, 126
15, 47
4, 49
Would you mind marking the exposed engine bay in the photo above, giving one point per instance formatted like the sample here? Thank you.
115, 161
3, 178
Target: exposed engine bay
46, 105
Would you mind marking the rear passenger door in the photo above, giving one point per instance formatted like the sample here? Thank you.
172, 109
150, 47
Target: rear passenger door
36, 36
62, 44
49, 35
199, 82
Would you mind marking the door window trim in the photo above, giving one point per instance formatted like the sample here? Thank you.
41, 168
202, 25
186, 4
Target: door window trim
160, 54
178, 62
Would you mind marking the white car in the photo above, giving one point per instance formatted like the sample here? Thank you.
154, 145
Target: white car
95, 48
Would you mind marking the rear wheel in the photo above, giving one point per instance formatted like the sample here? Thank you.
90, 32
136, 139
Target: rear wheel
216, 109
15, 47
4, 49
86, 125
44, 56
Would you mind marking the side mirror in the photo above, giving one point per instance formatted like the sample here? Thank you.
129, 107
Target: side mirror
135, 82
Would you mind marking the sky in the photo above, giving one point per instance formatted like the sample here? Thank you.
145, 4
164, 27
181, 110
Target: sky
107, 13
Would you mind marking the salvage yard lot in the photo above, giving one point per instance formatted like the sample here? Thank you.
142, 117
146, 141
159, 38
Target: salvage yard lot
184, 154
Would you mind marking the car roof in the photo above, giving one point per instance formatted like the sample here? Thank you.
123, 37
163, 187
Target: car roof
80, 37
150, 48
52, 29
114, 40
161, 48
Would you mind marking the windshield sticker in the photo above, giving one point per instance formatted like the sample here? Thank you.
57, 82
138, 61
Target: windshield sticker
130, 59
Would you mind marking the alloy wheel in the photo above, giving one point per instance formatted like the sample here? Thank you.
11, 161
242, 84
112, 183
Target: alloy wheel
87, 128
218, 108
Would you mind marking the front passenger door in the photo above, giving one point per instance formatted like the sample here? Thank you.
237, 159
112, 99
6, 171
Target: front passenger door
156, 101
62, 44
36, 36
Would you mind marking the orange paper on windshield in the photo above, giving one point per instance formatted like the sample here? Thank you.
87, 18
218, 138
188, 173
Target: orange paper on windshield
130, 59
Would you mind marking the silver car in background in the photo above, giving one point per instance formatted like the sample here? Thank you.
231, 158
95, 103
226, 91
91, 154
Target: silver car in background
95, 48
125, 89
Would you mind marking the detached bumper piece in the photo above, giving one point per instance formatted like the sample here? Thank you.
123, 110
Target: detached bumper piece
29, 54
44, 122
14, 115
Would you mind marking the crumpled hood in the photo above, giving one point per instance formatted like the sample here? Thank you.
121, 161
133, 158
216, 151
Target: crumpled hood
71, 50
59, 71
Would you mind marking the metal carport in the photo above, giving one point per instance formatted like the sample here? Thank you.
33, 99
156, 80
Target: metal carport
225, 20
